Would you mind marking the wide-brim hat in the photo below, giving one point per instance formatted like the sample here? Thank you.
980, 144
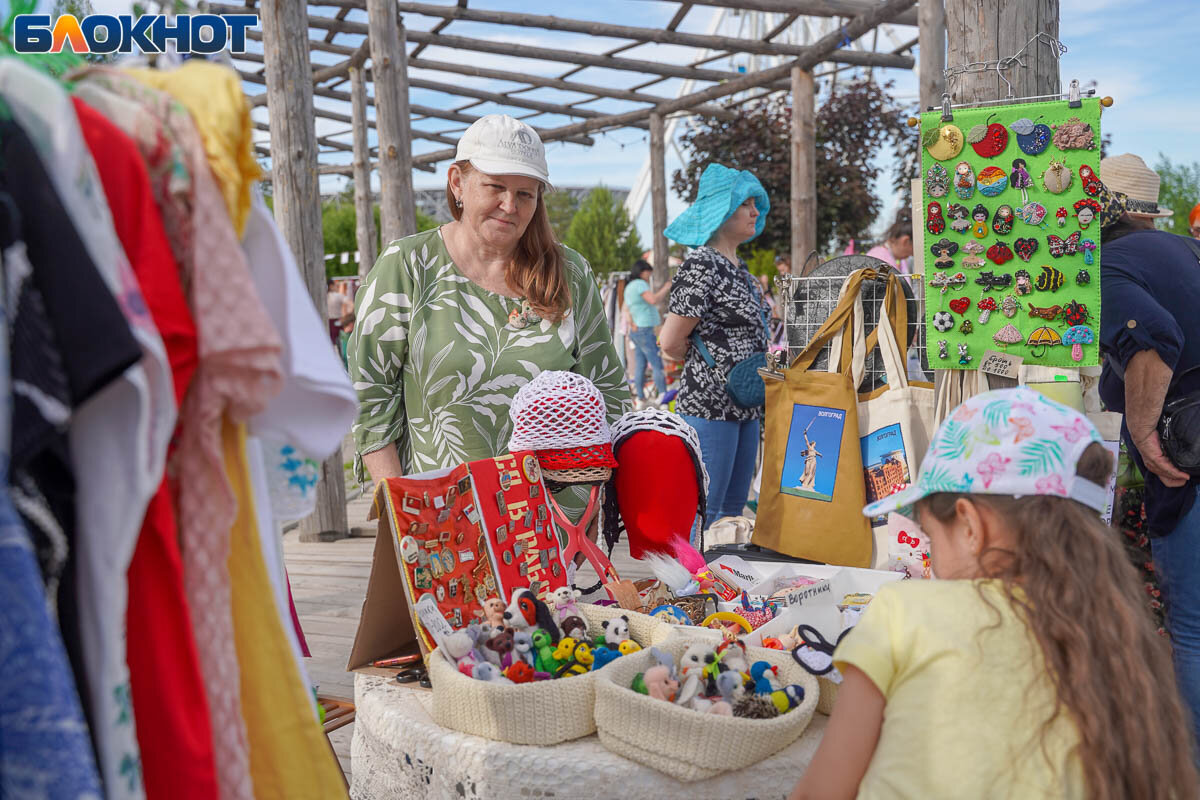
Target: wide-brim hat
1128, 175
498, 144
1011, 442
722, 189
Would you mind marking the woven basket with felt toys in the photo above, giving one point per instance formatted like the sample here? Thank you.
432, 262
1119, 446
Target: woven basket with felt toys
692, 711
527, 674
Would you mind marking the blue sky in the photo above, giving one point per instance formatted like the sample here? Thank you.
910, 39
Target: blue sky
1141, 52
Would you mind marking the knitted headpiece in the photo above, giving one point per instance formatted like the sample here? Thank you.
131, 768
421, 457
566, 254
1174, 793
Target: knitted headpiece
660, 483
561, 416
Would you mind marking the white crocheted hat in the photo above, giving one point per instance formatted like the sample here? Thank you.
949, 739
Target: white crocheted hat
561, 416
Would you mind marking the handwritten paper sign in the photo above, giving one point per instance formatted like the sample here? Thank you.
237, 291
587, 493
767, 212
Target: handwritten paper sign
1004, 365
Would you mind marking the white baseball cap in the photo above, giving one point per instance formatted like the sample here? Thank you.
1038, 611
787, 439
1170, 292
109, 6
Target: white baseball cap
501, 145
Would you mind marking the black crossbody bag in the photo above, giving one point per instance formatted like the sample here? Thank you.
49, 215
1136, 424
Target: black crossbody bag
1179, 425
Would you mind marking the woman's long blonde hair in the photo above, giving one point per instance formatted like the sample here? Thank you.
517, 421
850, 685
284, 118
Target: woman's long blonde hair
1082, 599
538, 269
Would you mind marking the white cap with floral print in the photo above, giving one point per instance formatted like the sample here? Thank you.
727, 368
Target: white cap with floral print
1014, 442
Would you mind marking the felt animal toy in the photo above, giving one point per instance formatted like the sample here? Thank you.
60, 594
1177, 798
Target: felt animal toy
563, 652
527, 611
602, 656
564, 602
523, 647
493, 612
663, 658
519, 672
694, 659
731, 685
543, 648
721, 708
575, 627
489, 672
733, 655
501, 645
628, 646
659, 683
788, 697
580, 660
755, 707
765, 676
616, 630
459, 644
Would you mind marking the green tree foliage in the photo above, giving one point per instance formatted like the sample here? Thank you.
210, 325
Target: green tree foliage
603, 233
1179, 191
338, 227
561, 206
853, 126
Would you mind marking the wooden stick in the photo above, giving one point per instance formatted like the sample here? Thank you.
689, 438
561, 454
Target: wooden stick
364, 214
804, 168
389, 57
658, 202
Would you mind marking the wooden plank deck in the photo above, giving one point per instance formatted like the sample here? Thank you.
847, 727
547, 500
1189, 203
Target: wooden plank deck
329, 582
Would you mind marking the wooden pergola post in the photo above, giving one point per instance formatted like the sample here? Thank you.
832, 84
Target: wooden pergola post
297, 199
389, 71
804, 168
364, 216
658, 202
931, 23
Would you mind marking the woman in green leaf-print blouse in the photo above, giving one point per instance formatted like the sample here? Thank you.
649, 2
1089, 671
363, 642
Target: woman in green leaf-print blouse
452, 322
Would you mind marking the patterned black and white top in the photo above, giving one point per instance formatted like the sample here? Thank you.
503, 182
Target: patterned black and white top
728, 301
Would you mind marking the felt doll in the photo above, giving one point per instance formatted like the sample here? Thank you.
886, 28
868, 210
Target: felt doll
564, 602
1020, 178
980, 227
526, 611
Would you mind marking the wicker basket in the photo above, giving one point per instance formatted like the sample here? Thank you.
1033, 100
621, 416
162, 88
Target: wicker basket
829, 693
686, 744
539, 713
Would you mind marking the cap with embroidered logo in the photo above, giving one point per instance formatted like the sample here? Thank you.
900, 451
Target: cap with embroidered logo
502, 145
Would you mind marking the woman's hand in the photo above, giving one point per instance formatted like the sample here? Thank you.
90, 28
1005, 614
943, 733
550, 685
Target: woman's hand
673, 339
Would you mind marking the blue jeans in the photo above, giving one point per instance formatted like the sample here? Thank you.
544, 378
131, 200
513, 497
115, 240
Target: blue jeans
729, 450
1177, 559
645, 351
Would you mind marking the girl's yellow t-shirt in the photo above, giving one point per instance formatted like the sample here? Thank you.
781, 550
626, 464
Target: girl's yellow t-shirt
967, 695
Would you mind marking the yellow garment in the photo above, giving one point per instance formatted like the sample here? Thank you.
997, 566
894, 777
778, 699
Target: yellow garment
289, 756
212, 93
965, 700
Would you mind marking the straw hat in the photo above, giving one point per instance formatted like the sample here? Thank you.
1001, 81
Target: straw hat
1130, 176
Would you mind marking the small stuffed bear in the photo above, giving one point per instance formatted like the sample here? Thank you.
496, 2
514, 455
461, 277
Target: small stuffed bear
498, 649
575, 627
616, 630
564, 602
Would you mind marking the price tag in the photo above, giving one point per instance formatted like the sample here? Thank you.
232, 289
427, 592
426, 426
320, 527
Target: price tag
431, 617
1004, 365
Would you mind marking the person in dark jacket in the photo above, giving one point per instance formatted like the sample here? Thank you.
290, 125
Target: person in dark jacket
1150, 339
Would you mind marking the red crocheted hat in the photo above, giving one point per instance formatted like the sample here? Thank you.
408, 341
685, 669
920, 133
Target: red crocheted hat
596, 455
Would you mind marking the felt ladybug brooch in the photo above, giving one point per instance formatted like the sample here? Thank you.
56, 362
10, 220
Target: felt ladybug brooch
999, 253
1025, 248
1032, 137
988, 140
1075, 313
936, 180
943, 142
1091, 184
934, 222
1002, 220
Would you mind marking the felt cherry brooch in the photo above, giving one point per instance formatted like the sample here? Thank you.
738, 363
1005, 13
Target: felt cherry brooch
1025, 248
1032, 137
960, 305
999, 253
1091, 184
935, 223
988, 140
943, 142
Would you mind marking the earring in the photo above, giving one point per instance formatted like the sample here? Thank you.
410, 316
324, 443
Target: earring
457, 203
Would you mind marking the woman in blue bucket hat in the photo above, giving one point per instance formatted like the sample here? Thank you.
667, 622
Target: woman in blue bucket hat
716, 300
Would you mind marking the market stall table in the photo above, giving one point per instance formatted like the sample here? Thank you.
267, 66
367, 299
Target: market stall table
398, 751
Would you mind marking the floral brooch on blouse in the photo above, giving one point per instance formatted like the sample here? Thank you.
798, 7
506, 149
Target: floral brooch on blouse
523, 316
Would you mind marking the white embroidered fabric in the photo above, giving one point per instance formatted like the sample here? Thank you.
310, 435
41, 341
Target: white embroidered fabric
398, 751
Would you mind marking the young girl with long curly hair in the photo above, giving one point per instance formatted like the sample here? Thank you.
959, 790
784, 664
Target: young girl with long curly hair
1030, 667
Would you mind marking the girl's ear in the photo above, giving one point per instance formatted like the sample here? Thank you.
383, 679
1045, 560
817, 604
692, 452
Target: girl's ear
971, 522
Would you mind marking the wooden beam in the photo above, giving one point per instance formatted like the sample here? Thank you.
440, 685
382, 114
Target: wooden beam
640, 35
342, 69
556, 83
389, 64
364, 214
416, 110
809, 8
978, 31
828, 43
297, 201
505, 100
658, 202
804, 168
932, 41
